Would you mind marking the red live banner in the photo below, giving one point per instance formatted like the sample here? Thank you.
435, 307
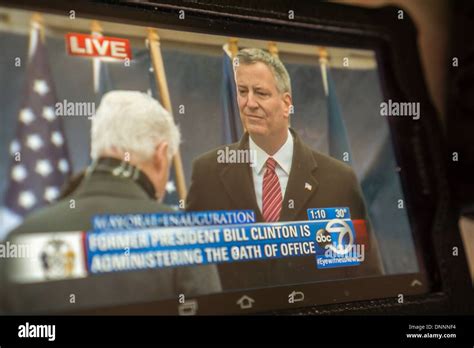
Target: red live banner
97, 46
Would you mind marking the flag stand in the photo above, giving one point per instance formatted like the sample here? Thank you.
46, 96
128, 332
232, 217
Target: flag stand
273, 49
323, 61
233, 47
96, 30
159, 70
37, 20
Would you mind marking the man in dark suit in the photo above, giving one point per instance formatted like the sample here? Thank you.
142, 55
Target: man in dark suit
281, 178
131, 159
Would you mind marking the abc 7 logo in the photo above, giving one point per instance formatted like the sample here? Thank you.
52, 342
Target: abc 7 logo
324, 239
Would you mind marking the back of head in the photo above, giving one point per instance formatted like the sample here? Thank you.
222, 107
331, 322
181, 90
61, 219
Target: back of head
133, 122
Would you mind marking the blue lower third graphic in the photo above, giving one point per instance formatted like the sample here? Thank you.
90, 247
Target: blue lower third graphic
331, 242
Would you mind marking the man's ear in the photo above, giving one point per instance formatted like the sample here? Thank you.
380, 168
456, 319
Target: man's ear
161, 154
287, 101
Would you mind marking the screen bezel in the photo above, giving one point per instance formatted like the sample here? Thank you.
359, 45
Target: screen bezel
416, 149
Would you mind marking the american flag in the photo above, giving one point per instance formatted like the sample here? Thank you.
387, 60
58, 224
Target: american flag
39, 157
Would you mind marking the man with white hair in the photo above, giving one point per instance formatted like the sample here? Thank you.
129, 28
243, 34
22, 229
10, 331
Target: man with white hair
133, 139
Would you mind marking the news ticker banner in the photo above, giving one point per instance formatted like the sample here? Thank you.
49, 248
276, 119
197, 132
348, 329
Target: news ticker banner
331, 241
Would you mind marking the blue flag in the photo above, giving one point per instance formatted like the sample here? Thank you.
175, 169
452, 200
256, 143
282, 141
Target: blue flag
339, 147
379, 173
231, 123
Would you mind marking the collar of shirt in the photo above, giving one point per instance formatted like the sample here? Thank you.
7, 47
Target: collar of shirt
283, 156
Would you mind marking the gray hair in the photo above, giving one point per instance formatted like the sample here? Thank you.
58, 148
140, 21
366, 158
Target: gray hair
248, 56
134, 122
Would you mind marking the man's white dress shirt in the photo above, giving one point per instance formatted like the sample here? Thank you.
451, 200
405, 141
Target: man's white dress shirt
283, 157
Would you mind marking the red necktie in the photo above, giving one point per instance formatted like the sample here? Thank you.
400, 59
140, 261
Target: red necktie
271, 195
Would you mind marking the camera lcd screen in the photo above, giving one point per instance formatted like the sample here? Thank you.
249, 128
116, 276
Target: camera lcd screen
284, 190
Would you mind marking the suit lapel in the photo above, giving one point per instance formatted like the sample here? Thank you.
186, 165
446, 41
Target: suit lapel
302, 183
238, 182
